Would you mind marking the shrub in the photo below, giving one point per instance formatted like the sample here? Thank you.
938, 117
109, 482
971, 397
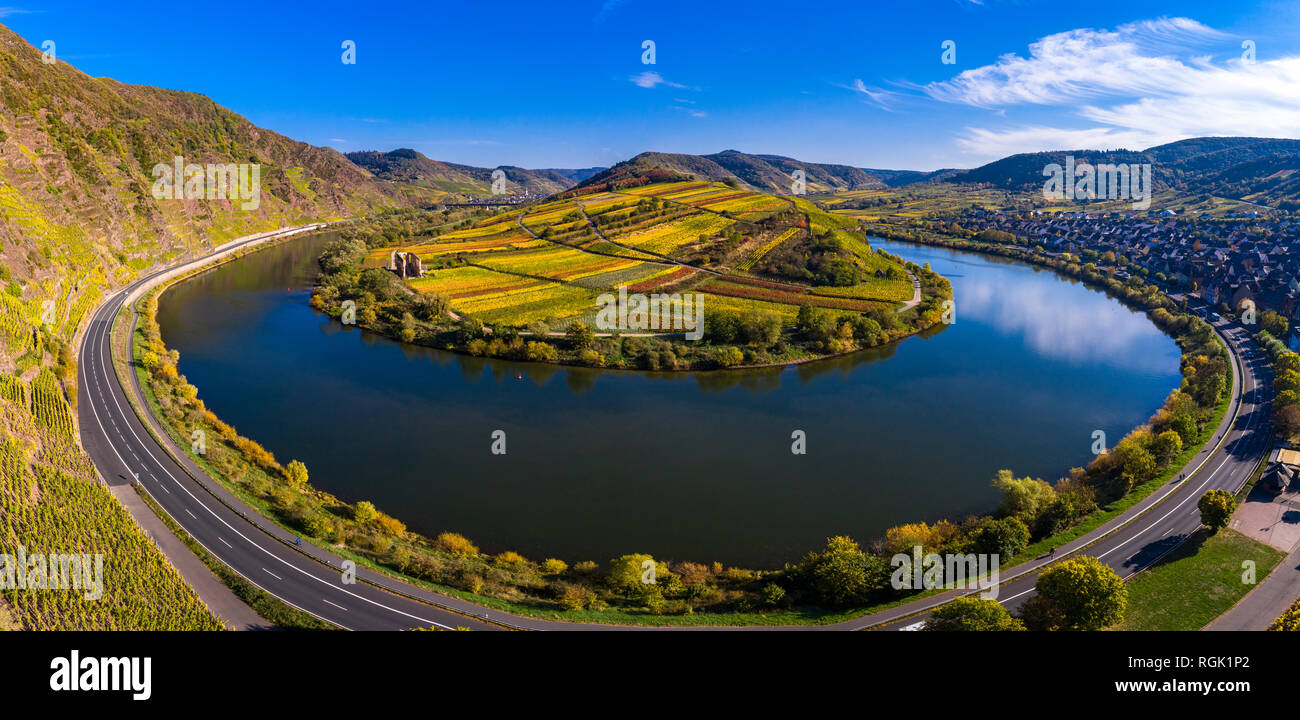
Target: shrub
511, 558
296, 473
1005, 538
551, 566
364, 512
772, 595
390, 525
973, 614
455, 544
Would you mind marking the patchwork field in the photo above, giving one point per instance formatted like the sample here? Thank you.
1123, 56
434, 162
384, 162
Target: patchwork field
549, 262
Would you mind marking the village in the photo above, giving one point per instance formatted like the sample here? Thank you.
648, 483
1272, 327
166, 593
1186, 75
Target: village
1244, 255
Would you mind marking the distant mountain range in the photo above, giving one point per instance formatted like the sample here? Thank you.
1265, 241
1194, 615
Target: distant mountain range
409, 166
1261, 170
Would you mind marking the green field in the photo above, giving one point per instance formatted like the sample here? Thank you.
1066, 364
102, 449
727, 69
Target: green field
1197, 582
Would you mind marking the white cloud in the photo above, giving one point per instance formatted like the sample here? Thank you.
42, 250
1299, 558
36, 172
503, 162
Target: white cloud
1142, 84
651, 79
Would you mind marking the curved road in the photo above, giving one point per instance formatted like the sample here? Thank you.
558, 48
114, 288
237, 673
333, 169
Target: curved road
311, 578
1135, 541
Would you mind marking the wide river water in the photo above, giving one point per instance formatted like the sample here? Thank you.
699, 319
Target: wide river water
686, 466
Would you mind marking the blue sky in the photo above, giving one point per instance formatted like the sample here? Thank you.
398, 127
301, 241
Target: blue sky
562, 84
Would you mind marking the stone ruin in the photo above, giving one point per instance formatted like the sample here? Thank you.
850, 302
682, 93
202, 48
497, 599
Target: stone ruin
406, 264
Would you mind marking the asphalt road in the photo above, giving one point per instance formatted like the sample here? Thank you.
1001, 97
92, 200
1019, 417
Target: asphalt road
1170, 516
123, 449
310, 578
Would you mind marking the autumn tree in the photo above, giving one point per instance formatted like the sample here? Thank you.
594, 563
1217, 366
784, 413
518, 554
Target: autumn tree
296, 473
1080, 593
1216, 508
973, 614
364, 512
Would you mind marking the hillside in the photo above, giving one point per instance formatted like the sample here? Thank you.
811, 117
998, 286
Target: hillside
759, 173
409, 166
81, 213
748, 253
1261, 170
78, 212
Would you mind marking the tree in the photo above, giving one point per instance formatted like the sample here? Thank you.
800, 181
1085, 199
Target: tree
1166, 446
843, 574
1216, 508
364, 512
1273, 324
580, 336
973, 614
296, 473
1004, 538
633, 574
1024, 498
1286, 418
1087, 594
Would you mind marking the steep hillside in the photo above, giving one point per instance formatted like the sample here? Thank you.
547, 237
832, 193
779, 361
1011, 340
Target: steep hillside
409, 166
82, 211
78, 208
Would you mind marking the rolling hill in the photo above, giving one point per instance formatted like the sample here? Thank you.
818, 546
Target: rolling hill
1261, 170
409, 166
759, 173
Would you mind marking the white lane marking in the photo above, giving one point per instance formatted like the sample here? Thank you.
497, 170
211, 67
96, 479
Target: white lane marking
335, 605
90, 348
1229, 448
121, 411
268, 572
187, 511
223, 541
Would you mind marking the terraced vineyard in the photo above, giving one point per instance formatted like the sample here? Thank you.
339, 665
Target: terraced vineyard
548, 263
51, 501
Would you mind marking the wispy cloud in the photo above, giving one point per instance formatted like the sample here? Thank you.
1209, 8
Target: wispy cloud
1142, 84
652, 79
877, 96
7, 11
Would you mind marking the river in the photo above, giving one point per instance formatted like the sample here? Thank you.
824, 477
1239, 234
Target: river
689, 466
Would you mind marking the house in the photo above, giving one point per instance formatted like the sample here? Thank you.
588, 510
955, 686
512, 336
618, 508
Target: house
1283, 469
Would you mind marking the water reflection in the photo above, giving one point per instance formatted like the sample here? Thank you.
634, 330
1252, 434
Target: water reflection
1053, 318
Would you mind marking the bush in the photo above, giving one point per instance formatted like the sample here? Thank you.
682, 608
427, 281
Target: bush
511, 558
551, 566
364, 512
772, 595
455, 544
296, 473
973, 614
1005, 538
843, 574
